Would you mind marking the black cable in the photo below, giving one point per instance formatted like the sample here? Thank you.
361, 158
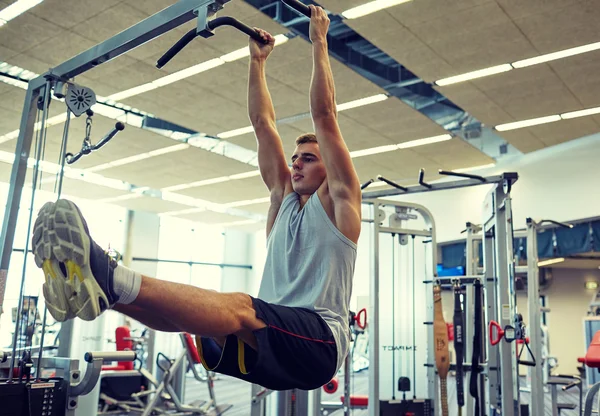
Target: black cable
413, 322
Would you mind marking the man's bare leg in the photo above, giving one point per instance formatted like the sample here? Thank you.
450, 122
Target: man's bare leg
149, 319
199, 311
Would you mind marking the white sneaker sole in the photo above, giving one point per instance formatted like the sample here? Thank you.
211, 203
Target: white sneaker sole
59, 237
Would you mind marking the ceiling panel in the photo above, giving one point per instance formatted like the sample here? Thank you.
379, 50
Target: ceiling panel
9, 120
58, 49
83, 189
210, 217
518, 9
177, 168
149, 204
562, 27
6, 53
5, 171
291, 64
27, 30
356, 135
261, 209
68, 13
454, 154
471, 99
225, 192
395, 120
109, 22
413, 13
287, 132
475, 38
581, 74
385, 32
522, 139
565, 130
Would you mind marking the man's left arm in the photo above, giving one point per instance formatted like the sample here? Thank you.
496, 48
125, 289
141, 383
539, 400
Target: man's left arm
342, 179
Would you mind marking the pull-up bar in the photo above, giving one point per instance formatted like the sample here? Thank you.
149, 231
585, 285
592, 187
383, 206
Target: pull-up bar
506, 179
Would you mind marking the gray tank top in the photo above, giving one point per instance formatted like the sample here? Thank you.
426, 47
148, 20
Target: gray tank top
310, 264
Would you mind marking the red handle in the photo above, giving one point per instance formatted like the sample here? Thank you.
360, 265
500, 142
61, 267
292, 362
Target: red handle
499, 332
361, 323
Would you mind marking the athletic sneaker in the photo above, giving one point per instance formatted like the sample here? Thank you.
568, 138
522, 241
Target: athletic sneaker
79, 273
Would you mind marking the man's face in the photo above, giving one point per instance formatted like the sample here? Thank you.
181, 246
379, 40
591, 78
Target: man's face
308, 170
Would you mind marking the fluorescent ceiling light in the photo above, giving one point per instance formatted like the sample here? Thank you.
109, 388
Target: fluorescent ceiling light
169, 149
188, 72
133, 91
138, 157
244, 175
557, 55
363, 101
475, 74
527, 123
427, 140
236, 132
248, 202
551, 261
371, 7
15, 9
374, 150
235, 55
580, 113
14, 82
107, 111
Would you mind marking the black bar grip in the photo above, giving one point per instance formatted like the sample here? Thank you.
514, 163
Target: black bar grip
527, 363
395, 185
118, 127
560, 224
175, 49
421, 181
299, 7
231, 21
70, 158
367, 183
462, 175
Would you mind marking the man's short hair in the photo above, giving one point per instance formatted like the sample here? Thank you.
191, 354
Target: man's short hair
306, 138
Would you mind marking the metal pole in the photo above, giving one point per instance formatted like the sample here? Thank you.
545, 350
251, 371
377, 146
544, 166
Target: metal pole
536, 401
509, 383
489, 383
17, 177
374, 317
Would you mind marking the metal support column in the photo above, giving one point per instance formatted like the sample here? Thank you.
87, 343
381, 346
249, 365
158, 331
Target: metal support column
536, 401
498, 230
374, 315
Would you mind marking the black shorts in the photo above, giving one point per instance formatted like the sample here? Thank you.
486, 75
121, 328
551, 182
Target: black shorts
296, 350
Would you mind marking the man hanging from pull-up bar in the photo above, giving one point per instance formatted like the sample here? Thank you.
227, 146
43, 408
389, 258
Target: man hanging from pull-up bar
294, 334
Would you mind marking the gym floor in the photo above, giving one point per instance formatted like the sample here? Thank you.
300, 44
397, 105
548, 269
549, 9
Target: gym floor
236, 392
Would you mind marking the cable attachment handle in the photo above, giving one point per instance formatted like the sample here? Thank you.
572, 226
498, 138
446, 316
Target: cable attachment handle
87, 147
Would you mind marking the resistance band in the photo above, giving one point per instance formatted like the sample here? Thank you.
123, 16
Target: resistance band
442, 357
458, 322
477, 341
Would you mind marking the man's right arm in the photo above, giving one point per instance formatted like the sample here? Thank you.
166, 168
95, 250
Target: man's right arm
271, 158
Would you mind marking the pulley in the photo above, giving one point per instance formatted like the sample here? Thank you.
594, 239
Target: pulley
79, 99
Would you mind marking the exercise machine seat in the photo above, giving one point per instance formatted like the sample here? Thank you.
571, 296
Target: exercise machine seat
191, 347
592, 356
